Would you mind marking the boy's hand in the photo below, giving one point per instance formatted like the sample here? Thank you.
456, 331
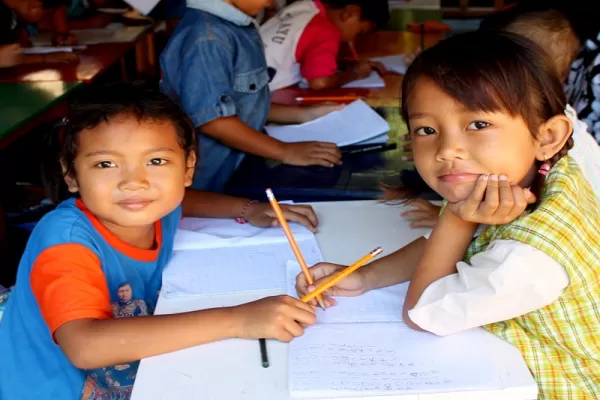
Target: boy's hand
262, 215
310, 113
423, 214
64, 39
9, 55
61, 58
363, 69
280, 317
350, 286
378, 67
503, 203
312, 153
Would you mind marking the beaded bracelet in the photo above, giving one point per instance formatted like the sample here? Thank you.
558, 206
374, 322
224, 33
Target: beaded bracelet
241, 219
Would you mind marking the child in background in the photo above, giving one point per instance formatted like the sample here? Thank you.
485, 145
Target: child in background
552, 31
14, 16
485, 109
214, 66
79, 317
302, 41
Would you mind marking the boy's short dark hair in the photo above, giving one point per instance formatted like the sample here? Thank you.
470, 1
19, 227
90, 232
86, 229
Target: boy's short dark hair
375, 11
550, 29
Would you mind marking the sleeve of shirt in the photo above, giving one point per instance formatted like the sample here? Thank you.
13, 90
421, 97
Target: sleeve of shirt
69, 284
207, 80
507, 280
317, 50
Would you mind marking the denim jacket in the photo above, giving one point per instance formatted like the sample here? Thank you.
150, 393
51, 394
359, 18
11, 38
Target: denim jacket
214, 66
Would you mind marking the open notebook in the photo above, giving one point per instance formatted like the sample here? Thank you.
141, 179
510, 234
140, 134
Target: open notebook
361, 348
355, 123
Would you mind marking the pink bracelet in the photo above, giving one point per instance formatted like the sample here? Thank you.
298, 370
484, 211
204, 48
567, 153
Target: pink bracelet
241, 219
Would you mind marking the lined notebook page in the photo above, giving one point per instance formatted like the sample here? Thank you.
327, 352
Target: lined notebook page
381, 305
353, 124
229, 270
354, 360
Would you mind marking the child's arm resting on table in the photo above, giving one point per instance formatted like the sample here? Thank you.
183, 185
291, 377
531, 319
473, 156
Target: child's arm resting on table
505, 281
200, 204
70, 288
208, 100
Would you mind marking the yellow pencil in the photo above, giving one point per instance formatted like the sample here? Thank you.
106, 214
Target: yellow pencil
292, 241
341, 275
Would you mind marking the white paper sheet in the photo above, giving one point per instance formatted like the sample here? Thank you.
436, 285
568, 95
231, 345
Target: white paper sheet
229, 270
48, 50
353, 124
382, 305
203, 233
143, 6
112, 33
393, 63
354, 360
381, 139
372, 81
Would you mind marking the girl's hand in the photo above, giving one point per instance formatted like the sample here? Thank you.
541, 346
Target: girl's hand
310, 113
378, 67
262, 215
423, 214
281, 317
503, 203
351, 286
9, 55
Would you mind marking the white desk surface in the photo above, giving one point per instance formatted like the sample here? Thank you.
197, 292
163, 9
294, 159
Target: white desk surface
231, 369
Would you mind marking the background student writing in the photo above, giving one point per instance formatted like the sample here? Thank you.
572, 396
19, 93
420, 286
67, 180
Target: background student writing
214, 66
303, 41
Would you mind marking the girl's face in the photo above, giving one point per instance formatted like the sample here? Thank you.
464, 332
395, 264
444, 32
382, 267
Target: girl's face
453, 146
130, 173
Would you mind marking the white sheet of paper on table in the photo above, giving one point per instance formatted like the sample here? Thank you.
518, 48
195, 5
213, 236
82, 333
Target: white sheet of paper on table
381, 305
375, 359
143, 6
52, 49
372, 81
353, 124
393, 63
222, 270
381, 139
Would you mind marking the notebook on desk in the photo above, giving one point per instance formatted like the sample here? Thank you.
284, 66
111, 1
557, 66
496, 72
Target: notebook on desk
361, 348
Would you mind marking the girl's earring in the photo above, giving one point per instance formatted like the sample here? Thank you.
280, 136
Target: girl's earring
545, 167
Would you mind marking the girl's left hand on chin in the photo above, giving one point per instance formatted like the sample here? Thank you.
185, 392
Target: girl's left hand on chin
493, 201
263, 216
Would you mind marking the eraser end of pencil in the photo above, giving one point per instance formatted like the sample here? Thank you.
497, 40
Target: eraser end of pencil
270, 194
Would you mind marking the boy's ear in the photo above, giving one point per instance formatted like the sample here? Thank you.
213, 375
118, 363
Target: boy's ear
553, 135
190, 168
69, 178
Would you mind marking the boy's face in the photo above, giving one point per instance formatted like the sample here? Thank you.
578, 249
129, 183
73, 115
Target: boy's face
28, 11
351, 25
251, 7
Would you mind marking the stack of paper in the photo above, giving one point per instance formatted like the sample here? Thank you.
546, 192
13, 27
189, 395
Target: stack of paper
393, 63
372, 81
361, 348
355, 123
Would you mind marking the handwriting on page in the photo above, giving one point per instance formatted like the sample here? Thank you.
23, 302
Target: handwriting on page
234, 269
345, 360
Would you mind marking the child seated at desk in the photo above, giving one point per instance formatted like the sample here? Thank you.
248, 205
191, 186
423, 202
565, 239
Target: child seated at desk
14, 16
553, 32
489, 119
302, 41
214, 66
80, 315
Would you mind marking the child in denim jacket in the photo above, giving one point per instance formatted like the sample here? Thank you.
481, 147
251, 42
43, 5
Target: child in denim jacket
214, 66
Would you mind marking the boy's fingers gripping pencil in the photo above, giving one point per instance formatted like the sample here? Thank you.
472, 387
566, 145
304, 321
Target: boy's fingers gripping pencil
292, 241
341, 275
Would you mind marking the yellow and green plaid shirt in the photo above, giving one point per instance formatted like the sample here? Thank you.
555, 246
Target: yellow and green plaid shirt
560, 342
